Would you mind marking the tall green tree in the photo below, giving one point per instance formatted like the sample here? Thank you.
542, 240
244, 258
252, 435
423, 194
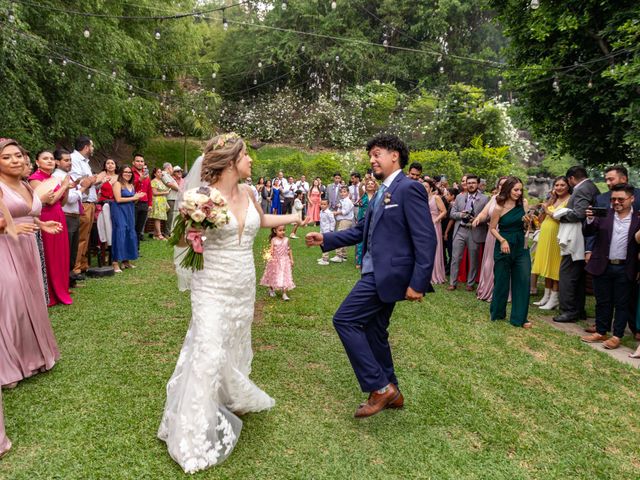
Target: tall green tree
576, 70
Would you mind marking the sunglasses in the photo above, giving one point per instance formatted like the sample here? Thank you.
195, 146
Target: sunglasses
620, 200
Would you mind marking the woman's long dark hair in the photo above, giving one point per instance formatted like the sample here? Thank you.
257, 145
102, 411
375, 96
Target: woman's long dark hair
505, 191
565, 180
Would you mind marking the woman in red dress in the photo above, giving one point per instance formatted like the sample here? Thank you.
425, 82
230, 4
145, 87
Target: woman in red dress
56, 247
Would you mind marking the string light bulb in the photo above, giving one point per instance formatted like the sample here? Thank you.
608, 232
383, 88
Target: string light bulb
86, 33
114, 73
259, 64
164, 77
334, 5
88, 76
337, 58
302, 48
385, 42
590, 84
556, 85
284, 5
11, 17
225, 24
64, 62
535, 4
50, 61
441, 69
157, 35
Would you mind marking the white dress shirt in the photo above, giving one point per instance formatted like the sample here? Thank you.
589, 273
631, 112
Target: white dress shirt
327, 221
74, 196
345, 210
620, 237
80, 168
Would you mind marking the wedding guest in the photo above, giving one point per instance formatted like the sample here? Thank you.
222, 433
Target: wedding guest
486, 282
5, 443
415, 171
354, 192
615, 175
323, 188
81, 172
333, 191
438, 213
344, 221
278, 271
289, 194
465, 208
314, 196
370, 187
547, 259
56, 247
260, 185
266, 196
512, 262
27, 343
276, 202
105, 200
327, 224
170, 182
123, 216
447, 227
142, 184
160, 206
303, 185
249, 182
572, 273
298, 208
613, 265
71, 208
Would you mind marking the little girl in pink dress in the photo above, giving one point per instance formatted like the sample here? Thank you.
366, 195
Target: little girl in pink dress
278, 272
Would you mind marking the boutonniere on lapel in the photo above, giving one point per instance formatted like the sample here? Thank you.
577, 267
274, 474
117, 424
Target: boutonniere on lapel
387, 198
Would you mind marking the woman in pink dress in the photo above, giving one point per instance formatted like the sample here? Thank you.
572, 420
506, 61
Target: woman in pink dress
27, 343
485, 284
56, 247
438, 213
278, 272
313, 206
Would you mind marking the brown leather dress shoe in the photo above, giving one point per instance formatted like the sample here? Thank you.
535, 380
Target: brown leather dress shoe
377, 402
397, 403
612, 343
594, 338
590, 329
451, 288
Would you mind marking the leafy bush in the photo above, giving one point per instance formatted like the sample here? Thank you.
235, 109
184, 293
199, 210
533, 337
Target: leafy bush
487, 162
438, 162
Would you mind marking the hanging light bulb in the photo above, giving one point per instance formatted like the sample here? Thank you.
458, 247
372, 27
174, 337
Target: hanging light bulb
214, 75
157, 35
164, 77
171, 92
64, 62
63, 74
284, 5
130, 87
334, 5
535, 4
225, 24
113, 73
86, 32
326, 65
441, 69
259, 64
337, 58
385, 42
88, 76
255, 81
213, 90
590, 84
499, 84
11, 17
93, 85
302, 48
50, 61
556, 85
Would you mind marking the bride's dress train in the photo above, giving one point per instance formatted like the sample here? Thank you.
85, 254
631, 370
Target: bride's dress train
210, 385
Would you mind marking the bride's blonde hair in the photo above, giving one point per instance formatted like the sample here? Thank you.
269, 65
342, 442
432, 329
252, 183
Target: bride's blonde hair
222, 151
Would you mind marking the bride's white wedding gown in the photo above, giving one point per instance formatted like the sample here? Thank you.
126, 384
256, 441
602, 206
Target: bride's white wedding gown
210, 384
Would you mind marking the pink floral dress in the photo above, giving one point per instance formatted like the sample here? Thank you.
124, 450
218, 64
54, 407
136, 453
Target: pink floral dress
278, 272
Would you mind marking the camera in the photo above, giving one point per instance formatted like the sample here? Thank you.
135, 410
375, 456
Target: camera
599, 211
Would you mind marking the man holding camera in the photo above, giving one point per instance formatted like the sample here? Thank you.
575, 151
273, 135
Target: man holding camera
613, 263
464, 210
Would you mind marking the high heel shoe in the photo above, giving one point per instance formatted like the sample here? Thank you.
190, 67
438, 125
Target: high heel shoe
545, 297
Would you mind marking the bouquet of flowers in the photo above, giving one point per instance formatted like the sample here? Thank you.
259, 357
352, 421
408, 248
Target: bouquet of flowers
201, 208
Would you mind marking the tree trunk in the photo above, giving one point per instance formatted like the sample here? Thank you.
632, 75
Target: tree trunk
184, 153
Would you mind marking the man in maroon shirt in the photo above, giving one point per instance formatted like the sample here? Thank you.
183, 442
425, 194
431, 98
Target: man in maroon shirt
142, 184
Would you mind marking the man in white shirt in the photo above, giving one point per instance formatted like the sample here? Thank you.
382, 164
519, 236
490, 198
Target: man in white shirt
289, 186
71, 207
344, 221
81, 173
169, 181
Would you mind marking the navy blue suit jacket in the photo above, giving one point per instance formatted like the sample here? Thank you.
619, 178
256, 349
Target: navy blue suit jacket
604, 201
403, 240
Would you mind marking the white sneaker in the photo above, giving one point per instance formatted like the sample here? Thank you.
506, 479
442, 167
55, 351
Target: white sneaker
336, 260
272, 293
322, 262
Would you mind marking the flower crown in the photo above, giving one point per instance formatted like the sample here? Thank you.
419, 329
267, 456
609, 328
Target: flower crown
223, 139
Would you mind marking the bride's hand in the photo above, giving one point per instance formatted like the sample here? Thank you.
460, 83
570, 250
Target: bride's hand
51, 227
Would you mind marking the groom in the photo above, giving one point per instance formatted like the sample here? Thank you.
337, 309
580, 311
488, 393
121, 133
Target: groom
399, 244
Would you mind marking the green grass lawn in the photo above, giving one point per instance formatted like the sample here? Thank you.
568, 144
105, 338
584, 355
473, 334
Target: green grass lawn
483, 400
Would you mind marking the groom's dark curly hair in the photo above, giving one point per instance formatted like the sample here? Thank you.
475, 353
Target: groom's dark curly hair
391, 143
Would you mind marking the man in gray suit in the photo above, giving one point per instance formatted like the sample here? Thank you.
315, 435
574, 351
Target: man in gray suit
333, 192
572, 273
464, 210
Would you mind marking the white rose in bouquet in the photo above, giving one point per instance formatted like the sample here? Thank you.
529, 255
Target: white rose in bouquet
216, 197
198, 216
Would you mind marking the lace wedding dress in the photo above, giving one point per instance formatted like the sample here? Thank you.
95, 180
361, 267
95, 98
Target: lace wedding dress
210, 386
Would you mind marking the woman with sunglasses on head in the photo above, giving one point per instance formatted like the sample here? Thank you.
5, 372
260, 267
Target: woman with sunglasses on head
124, 246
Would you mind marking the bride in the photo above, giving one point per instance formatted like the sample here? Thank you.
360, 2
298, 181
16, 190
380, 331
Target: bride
210, 386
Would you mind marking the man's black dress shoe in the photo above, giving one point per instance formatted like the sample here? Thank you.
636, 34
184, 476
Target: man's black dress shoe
565, 318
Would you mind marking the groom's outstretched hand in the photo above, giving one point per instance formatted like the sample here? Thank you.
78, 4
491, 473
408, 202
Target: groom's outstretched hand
314, 239
413, 296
